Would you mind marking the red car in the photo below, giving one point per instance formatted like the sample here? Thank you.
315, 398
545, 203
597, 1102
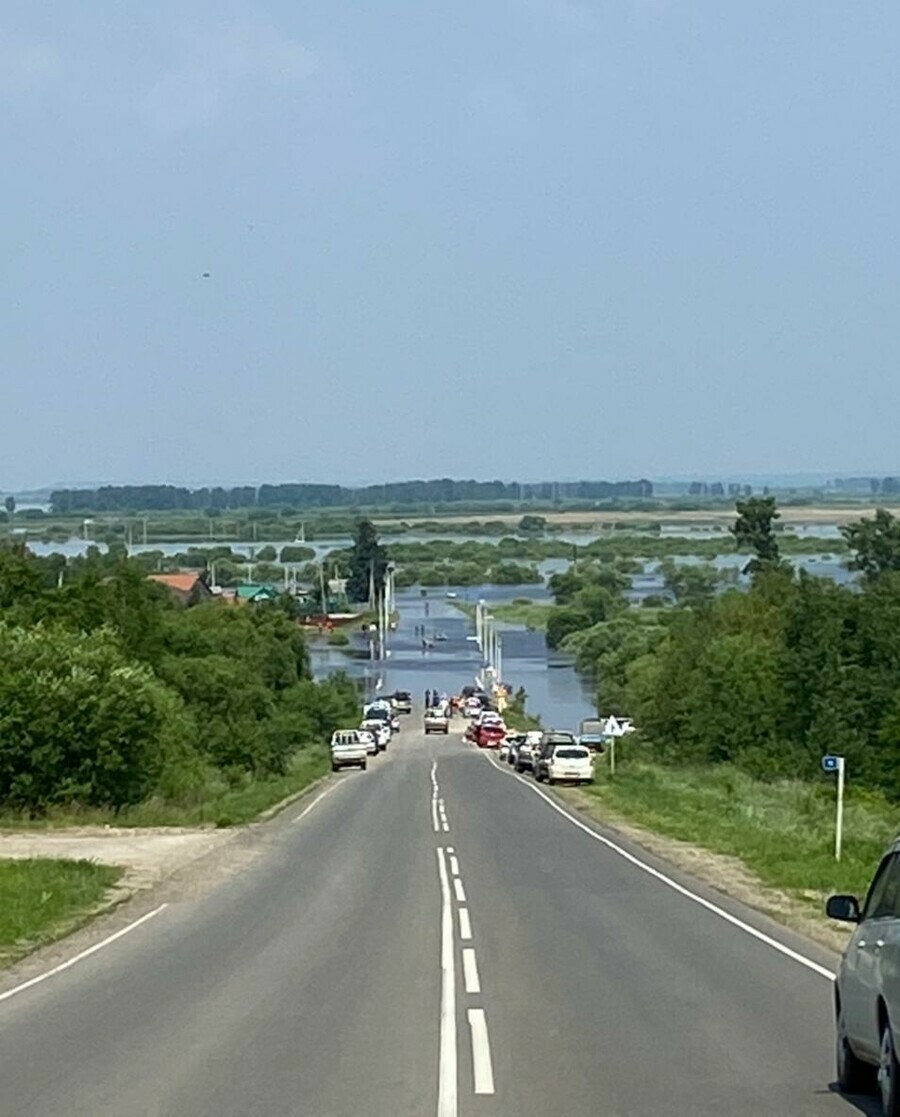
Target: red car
490, 734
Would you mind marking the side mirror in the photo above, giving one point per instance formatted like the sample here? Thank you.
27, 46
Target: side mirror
844, 908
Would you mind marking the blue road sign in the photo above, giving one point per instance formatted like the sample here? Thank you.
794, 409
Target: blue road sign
830, 763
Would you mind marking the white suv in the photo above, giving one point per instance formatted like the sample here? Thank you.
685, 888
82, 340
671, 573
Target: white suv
565, 763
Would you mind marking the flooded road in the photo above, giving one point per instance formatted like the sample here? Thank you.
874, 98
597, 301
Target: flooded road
555, 691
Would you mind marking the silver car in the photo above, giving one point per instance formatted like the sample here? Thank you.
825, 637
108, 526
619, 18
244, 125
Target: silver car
867, 987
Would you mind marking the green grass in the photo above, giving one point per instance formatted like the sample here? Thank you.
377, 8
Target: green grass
519, 720
220, 805
531, 613
520, 611
43, 899
782, 831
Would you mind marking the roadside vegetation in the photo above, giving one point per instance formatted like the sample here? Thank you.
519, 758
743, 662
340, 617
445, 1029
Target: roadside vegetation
517, 717
782, 830
737, 695
43, 899
114, 698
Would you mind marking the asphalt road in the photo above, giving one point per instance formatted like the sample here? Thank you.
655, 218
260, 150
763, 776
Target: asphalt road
430, 938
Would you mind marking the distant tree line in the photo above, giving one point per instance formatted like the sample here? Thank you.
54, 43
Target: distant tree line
717, 488
149, 498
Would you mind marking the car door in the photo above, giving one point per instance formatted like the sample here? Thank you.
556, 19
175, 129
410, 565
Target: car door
862, 968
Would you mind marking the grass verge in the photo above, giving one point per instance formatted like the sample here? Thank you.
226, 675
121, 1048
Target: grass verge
783, 832
221, 805
519, 720
43, 899
532, 614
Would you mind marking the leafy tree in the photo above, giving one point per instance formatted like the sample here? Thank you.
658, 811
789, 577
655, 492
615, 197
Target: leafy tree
753, 530
532, 525
79, 722
368, 560
875, 544
10, 505
294, 552
690, 584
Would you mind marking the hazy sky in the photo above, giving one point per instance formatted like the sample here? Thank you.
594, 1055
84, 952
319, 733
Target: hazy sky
525, 239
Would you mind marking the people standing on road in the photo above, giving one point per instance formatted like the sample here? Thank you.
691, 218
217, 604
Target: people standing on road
427, 699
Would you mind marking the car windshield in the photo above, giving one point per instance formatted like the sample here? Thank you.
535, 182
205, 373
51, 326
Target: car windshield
571, 754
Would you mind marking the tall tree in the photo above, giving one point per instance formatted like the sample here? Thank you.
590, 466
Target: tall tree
368, 561
875, 544
754, 530
10, 505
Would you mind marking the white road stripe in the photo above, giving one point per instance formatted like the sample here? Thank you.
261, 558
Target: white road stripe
84, 954
445, 826
482, 1068
761, 936
450, 849
454, 866
434, 817
318, 799
465, 924
459, 890
470, 970
447, 1073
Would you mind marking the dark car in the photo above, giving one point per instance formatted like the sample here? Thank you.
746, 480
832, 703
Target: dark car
550, 738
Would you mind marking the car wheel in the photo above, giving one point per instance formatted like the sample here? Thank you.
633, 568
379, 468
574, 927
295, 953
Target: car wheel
888, 1073
364, 765
335, 767
853, 1075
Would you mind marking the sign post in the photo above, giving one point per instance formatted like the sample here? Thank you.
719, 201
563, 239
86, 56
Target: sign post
836, 764
613, 731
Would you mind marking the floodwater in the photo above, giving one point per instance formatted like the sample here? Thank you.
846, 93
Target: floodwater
555, 692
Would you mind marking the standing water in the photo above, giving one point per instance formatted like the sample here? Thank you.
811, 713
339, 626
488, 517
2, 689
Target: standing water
555, 691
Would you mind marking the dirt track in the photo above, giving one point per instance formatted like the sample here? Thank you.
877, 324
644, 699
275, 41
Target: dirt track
147, 856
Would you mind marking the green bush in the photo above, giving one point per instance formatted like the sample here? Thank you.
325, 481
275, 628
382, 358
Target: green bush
79, 722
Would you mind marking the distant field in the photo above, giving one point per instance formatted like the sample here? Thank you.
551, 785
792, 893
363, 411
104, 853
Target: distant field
825, 515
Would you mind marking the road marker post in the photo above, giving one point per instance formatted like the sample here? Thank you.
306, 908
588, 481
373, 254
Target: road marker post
836, 764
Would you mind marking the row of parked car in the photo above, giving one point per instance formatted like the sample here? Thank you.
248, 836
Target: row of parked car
351, 748
552, 755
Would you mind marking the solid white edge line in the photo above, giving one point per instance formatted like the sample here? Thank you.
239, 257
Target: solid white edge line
84, 954
447, 1072
459, 890
434, 818
465, 924
761, 936
318, 799
470, 970
454, 866
482, 1067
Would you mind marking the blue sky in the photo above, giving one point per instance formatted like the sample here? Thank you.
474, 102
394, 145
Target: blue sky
542, 238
